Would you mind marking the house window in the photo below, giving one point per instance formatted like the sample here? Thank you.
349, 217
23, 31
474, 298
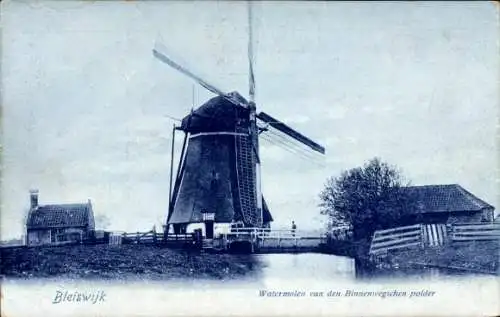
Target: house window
58, 235
74, 236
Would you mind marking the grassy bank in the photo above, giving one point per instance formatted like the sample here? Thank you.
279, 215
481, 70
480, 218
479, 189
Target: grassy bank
479, 256
121, 262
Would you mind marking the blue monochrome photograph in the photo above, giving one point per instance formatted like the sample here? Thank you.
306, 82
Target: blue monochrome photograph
249, 158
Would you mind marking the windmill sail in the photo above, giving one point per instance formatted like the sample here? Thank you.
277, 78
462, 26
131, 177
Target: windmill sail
251, 76
164, 58
290, 132
157, 52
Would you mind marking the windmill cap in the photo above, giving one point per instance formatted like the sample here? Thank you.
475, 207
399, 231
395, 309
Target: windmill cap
216, 115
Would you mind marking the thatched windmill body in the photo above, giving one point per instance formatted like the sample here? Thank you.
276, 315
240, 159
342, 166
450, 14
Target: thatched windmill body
219, 168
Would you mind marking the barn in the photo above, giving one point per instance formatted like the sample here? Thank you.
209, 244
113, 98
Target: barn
448, 204
58, 223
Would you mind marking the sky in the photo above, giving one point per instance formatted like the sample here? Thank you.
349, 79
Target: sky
86, 108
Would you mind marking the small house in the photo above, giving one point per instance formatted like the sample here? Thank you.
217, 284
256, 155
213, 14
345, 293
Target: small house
447, 204
58, 223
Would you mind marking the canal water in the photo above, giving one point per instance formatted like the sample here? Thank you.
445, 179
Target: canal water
332, 268
313, 266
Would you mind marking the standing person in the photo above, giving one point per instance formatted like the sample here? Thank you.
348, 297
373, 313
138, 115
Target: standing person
294, 227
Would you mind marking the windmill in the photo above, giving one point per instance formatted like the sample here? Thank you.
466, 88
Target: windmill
219, 167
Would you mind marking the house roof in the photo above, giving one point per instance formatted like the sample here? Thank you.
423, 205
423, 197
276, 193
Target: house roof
61, 215
445, 198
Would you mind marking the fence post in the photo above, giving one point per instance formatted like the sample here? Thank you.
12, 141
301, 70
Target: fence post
449, 233
422, 237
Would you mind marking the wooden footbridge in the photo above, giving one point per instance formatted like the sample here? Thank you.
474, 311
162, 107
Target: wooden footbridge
261, 240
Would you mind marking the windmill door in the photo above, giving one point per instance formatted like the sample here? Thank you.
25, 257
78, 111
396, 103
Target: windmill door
209, 229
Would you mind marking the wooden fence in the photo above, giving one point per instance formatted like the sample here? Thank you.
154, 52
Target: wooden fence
475, 232
149, 237
431, 235
396, 238
115, 239
435, 234
141, 237
154, 237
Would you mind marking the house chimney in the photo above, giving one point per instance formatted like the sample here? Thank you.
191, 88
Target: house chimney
34, 198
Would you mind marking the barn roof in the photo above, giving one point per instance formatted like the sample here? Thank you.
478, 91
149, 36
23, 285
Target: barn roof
445, 198
60, 215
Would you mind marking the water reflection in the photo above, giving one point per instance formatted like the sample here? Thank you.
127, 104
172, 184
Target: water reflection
312, 266
324, 267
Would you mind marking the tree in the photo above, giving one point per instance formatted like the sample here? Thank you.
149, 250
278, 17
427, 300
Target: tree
367, 198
